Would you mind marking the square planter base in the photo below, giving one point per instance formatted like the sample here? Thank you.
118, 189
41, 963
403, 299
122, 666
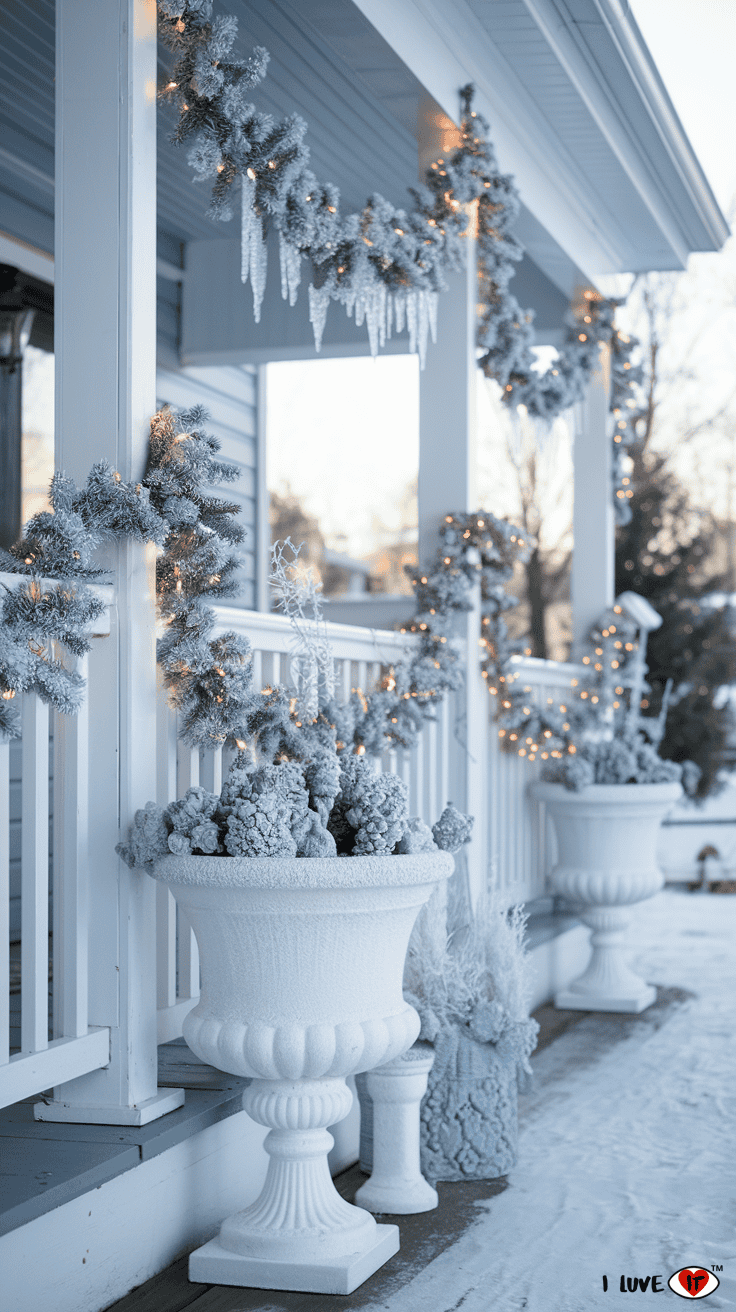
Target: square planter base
569, 1000
215, 1265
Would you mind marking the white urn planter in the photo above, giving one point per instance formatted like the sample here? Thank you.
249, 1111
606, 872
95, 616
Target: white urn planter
302, 962
606, 841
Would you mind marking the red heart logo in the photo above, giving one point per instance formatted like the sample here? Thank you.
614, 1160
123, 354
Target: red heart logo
693, 1281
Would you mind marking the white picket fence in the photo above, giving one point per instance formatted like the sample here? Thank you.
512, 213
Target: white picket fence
515, 835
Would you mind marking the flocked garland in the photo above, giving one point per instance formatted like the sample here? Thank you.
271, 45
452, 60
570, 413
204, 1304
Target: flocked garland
59, 544
210, 679
385, 265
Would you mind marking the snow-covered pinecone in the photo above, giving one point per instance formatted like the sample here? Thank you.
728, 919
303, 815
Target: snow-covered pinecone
452, 829
371, 809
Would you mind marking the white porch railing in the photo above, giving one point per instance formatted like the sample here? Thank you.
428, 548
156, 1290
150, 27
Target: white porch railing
34, 1061
516, 831
512, 829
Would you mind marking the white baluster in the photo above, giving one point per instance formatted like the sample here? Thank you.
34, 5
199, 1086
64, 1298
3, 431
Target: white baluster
210, 772
35, 876
4, 901
71, 867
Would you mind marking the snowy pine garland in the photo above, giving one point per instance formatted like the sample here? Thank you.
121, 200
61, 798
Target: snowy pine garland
208, 679
30, 618
59, 544
384, 265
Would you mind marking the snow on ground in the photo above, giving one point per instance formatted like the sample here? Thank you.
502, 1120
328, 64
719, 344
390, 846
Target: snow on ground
627, 1153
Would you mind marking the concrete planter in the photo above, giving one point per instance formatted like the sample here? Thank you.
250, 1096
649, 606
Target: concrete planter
469, 1127
302, 963
606, 839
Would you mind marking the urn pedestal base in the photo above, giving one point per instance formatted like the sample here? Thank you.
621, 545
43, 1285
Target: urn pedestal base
608, 983
213, 1264
299, 1233
397, 1186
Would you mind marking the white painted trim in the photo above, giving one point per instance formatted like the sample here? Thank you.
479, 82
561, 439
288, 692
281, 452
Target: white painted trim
169, 271
447, 46
536, 672
593, 553
140, 1113
615, 120
62, 1060
98, 1247
106, 314
169, 1020
29, 259
271, 632
556, 962
260, 356
263, 526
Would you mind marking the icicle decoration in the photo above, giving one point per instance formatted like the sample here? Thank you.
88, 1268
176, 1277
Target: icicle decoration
319, 300
253, 248
291, 269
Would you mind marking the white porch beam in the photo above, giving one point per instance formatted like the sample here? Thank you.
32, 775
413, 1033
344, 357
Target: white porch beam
593, 556
447, 422
105, 264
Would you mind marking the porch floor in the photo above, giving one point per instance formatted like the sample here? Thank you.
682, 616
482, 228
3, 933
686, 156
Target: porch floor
626, 1157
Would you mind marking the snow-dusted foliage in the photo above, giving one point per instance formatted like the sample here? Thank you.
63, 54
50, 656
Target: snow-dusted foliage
148, 839
61, 543
208, 680
264, 810
616, 761
296, 595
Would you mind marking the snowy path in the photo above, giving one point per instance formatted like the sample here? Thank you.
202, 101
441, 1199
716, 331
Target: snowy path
627, 1162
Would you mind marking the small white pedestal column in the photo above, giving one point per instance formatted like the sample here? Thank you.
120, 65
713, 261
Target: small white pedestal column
397, 1186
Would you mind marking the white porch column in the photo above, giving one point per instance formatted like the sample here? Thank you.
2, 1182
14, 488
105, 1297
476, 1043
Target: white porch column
447, 404
105, 370
593, 519
447, 482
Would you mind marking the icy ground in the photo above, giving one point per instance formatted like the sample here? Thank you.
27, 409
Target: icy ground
627, 1155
